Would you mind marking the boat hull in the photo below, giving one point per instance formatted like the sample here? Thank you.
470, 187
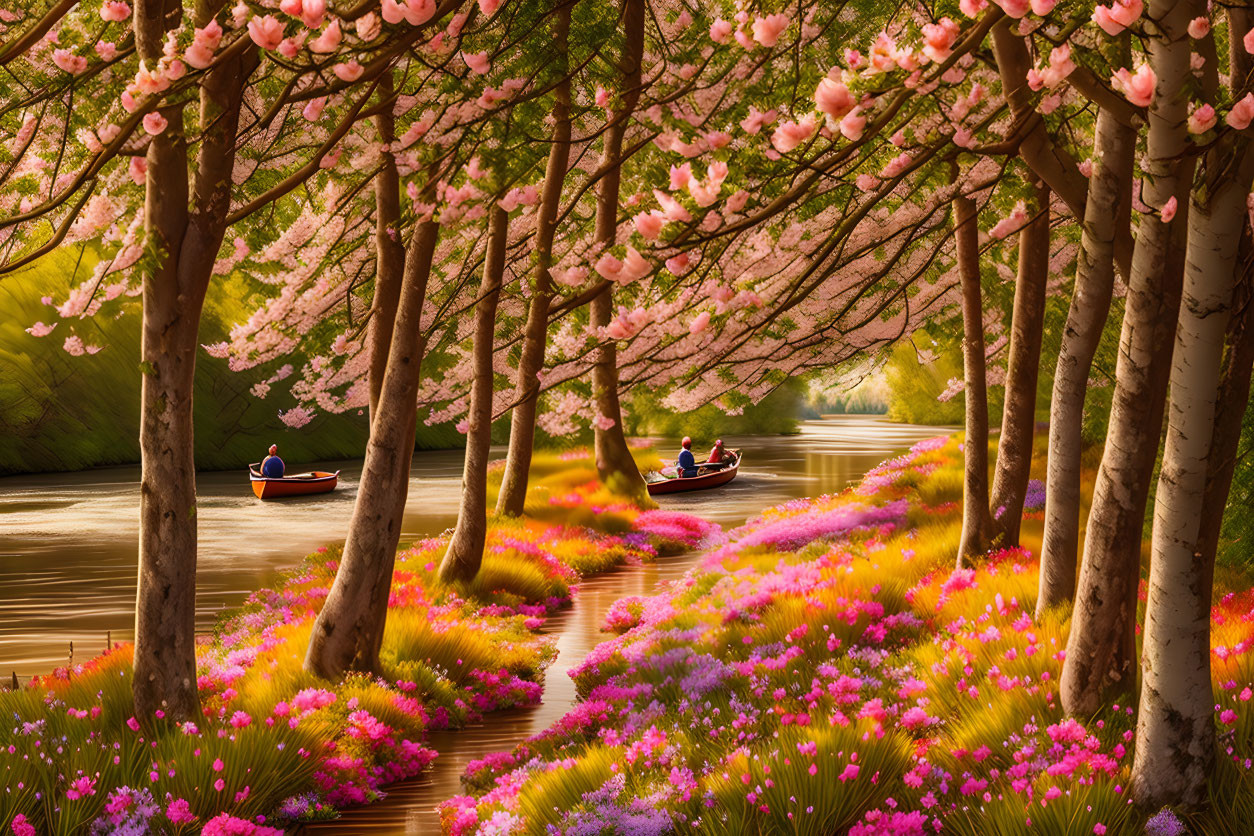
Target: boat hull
304, 484
696, 483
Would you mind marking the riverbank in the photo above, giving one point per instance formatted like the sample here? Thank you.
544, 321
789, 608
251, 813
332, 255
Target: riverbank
275, 744
826, 670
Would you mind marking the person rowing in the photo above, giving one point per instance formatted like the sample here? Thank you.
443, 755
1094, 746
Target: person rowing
686, 464
720, 454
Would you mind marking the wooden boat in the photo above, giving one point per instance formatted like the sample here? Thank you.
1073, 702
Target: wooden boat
708, 476
298, 484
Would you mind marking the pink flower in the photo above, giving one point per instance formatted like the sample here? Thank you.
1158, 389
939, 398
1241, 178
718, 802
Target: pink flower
1137, 87
68, 61
972, 8
852, 126
138, 169
1248, 41
1202, 119
328, 40
81, 788
608, 267
1228, 717
311, 12
833, 99
266, 31
571, 276
348, 72
1242, 113
1169, 210
938, 39
114, 11
40, 330
1120, 15
218, 765
219, 785
476, 61
155, 123
1043, 7
678, 264
720, 31
649, 224
851, 772
766, 30
368, 26
132, 724
699, 323
791, 134
1099, 829
240, 719
107, 50
1199, 27
1014, 8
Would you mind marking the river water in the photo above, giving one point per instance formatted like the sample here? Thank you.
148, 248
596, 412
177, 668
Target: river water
68, 545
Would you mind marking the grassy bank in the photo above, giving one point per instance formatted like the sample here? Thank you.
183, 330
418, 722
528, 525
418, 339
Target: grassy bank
826, 670
277, 745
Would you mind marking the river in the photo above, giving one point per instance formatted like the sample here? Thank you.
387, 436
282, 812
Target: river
68, 546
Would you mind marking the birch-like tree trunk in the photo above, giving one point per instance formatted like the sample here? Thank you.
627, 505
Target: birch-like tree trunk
389, 251
615, 464
1175, 751
1108, 208
349, 629
977, 523
522, 428
465, 549
185, 226
1101, 645
1014, 447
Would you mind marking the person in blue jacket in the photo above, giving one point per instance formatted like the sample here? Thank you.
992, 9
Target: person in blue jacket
272, 466
687, 463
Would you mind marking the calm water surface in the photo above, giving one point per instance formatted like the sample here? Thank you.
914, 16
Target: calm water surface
68, 557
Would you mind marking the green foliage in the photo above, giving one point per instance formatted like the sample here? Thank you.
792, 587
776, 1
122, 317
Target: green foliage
60, 412
1236, 546
916, 381
776, 414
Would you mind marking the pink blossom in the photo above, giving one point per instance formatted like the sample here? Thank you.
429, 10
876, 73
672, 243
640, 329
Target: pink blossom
1014, 8
1199, 27
81, 788
833, 99
266, 31
850, 772
1202, 119
68, 61
791, 134
114, 11
699, 323
720, 30
608, 267
852, 126
477, 62
107, 50
329, 40
972, 8
21, 827
1118, 16
680, 175
138, 170
1137, 87
313, 108
737, 201
40, 330
350, 71
649, 224
312, 11
938, 39
571, 277
368, 26
1242, 113
155, 123
766, 30
678, 264
1043, 7
148, 82
1248, 41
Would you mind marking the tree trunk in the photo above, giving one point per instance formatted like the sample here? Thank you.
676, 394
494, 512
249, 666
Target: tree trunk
615, 464
349, 629
187, 243
165, 605
1233, 400
389, 251
1175, 749
977, 523
465, 549
1108, 208
1014, 448
1101, 645
522, 428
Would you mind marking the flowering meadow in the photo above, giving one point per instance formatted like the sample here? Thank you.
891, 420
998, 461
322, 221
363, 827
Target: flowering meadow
826, 670
277, 745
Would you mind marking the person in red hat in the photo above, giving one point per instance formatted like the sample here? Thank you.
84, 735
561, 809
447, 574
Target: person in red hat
687, 463
272, 466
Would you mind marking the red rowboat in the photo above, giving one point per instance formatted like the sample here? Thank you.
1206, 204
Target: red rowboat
707, 477
299, 484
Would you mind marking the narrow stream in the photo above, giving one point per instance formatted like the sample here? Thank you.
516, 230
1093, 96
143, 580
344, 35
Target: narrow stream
824, 458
